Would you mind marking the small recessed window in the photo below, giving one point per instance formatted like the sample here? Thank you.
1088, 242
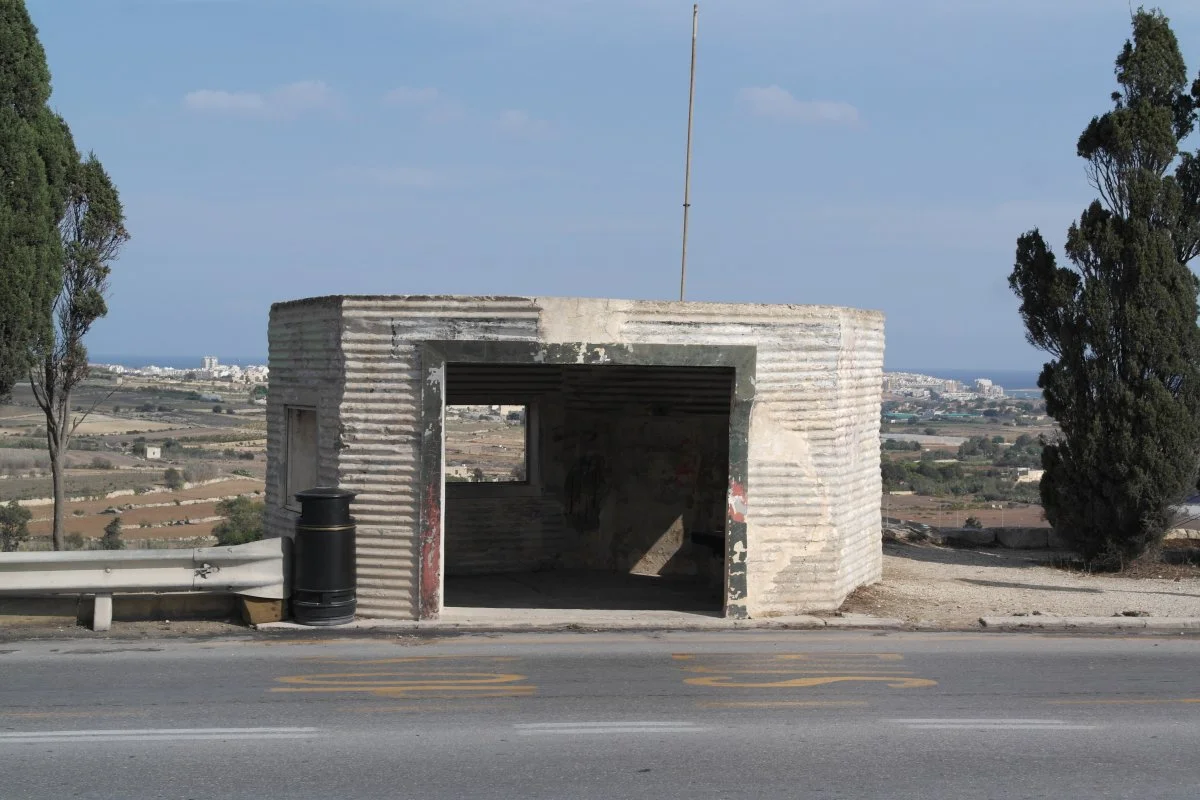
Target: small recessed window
301, 466
487, 444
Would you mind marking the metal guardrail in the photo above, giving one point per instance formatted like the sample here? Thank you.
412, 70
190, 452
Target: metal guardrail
256, 569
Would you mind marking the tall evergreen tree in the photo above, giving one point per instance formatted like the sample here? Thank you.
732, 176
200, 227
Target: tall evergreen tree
36, 156
92, 233
1120, 324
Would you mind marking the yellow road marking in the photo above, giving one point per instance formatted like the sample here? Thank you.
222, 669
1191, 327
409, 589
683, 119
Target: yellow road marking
402, 684
447, 691
726, 681
783, 704
794, 671
375, 679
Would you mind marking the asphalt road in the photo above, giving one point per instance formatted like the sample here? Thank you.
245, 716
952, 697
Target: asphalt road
745, 714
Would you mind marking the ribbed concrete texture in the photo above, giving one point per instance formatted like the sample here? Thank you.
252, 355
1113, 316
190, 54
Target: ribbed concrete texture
780, 447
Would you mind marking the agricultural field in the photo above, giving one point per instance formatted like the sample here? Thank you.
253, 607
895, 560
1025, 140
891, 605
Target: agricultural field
217, 446
161, 514
485, 444
941, 512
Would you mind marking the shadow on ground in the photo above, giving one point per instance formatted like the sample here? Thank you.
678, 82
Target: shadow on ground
992, 557
583, 590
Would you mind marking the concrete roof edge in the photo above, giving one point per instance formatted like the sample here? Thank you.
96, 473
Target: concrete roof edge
538, 299
332, 300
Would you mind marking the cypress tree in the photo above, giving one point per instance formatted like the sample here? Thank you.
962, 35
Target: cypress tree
1120, 323
36, 158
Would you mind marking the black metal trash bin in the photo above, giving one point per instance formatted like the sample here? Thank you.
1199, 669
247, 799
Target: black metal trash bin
324, 566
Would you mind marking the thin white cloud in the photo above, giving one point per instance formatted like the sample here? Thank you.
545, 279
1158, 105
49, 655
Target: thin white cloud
284, 102
520, 124
435, 107
775, 102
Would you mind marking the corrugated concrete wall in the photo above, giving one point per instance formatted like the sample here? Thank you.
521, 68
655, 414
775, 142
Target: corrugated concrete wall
813, 524
306, 368
487, 535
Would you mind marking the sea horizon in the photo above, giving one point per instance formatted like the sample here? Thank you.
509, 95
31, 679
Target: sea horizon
1008, 378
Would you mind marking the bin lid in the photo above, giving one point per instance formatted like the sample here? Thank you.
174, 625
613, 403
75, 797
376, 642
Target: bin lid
326, 493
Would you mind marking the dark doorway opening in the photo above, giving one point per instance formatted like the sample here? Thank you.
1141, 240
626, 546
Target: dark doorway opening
626, 474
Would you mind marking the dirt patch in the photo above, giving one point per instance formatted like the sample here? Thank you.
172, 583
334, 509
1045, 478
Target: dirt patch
948, 513
954, 588
23, 629
102, 425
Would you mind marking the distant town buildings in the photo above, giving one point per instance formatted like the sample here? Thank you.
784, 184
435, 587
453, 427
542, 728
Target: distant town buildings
915, 385
211, 369
985, 388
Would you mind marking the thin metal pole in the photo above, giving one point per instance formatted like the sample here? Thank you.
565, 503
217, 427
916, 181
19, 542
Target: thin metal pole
687, 170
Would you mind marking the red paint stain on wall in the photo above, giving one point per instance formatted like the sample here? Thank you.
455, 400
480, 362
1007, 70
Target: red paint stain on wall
737, 502
431, 534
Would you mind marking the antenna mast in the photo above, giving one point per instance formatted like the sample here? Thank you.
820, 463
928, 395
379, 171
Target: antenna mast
687, 170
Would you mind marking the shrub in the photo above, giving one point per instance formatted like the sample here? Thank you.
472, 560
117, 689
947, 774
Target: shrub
14, 526
112, 536
973, 522
173, 479
199, 471
245, 521
74, 541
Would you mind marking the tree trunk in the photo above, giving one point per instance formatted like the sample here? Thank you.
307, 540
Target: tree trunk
60, 499
59, 437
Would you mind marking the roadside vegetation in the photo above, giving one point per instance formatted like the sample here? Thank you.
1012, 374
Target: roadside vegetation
1119, 320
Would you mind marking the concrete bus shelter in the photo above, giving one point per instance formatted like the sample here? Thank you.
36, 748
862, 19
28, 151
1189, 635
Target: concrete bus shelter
726, 450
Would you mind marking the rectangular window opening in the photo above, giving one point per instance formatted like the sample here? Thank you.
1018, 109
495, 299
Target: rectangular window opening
488, 444
301, 467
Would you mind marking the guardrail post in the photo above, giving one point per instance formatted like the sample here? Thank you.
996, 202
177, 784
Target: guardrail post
102, 612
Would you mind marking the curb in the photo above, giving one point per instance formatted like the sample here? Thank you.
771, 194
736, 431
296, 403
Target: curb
466, 627
1099, 624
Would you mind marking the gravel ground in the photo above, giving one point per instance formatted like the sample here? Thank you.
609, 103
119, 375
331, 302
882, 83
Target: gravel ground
954, 588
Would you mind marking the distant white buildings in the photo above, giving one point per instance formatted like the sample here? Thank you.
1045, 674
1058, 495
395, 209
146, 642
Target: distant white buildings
153, 452
211, 369
916, 385
985, 388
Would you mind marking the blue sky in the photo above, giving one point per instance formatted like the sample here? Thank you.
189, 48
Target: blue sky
868, 153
